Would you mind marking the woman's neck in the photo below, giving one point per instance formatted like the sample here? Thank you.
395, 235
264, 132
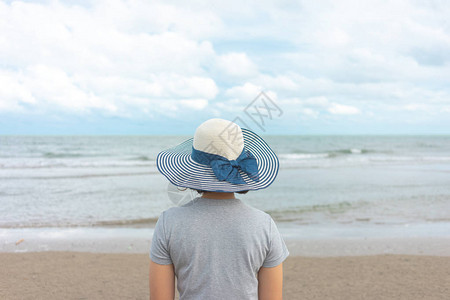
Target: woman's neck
217, 195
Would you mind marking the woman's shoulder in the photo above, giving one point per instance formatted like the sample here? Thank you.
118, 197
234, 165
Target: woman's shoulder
171, 211
255, 211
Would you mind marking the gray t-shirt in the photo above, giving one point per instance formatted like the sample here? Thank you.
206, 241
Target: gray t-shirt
217, 247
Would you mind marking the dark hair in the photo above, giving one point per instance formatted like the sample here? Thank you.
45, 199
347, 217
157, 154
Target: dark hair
201, 191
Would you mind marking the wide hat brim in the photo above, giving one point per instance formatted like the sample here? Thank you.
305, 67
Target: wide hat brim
178, 167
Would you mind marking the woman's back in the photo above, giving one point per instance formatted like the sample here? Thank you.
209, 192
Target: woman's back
217, 247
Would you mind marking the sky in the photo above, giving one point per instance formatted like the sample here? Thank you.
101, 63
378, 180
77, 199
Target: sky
164, 67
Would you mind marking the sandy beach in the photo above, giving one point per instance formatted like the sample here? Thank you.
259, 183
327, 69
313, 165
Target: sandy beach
78, 275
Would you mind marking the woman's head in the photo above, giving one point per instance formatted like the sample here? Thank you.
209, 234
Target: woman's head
222, 157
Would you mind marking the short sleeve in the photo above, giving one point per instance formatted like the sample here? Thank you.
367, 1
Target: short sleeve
278, 251
159, 252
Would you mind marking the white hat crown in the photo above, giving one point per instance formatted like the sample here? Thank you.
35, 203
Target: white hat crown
220, 137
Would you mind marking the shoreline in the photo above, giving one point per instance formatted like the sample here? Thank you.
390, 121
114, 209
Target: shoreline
82, 275
311, 241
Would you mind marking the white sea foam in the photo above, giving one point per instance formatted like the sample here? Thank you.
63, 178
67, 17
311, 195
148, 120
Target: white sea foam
74, 163
302, 156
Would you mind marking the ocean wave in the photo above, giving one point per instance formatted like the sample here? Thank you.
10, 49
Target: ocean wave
349, 151
62, 155
354, 157
353, 213
80, 176
302, 156
410, 158
291, 214
294, 159
142, 222
328, 154
142, 158
55, 155
43, 164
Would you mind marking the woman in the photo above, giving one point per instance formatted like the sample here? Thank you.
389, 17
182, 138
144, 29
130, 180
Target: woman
216, 246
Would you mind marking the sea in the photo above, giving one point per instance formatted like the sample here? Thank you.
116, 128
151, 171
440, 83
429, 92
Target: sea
79, 192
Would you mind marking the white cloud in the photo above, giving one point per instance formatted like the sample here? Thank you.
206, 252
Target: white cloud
279, 82
340, 109
236, 65
309, 112
55, 87
196, 104
123, 58
246, 92
102, 58
416, 106
320, 101
314, 106
13, 92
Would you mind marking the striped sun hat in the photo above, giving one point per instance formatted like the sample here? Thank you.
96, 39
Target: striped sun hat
221, 157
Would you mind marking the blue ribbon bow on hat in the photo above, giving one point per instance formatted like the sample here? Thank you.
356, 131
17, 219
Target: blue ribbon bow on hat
228, 170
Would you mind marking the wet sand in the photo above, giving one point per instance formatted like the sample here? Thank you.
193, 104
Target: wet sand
83, 275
